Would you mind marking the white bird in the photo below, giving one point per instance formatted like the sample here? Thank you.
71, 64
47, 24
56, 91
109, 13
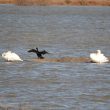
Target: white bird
98, 57
10, 56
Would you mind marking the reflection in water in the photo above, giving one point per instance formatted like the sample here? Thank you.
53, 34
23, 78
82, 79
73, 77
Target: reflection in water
68, 33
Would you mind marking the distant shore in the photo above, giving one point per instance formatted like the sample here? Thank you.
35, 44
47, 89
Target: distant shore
58, 2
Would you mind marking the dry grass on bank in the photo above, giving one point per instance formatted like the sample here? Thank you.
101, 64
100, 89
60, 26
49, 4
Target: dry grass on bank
63, 2
7, 1
65, 59
57, 2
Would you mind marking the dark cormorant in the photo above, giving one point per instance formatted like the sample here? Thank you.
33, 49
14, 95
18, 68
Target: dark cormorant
39, 53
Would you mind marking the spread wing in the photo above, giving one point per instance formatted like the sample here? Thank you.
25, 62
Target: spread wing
44, 52
32, 50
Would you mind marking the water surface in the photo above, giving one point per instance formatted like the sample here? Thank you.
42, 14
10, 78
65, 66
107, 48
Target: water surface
65, 32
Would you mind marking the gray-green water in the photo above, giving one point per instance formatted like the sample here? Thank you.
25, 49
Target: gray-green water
63, 31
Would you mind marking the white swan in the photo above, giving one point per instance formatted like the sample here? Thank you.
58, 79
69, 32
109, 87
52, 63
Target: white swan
98, 57
10, 56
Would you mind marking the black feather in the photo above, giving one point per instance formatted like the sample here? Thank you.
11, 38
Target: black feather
39, 53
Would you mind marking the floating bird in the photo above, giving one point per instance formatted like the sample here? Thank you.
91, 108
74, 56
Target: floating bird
39, 53
11, 56
98, 57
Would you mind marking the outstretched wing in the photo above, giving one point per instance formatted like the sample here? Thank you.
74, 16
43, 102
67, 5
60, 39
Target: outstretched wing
32, 50
44, 52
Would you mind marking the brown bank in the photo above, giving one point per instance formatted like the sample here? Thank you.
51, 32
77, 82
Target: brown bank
66, 59
57, 2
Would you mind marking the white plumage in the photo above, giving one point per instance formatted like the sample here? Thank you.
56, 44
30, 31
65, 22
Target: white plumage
10, 56
98, 57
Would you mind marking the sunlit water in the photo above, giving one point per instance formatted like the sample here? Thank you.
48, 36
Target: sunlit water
64, 32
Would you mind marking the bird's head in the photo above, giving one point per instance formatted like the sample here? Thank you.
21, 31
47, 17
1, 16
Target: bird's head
99, 51
3, 54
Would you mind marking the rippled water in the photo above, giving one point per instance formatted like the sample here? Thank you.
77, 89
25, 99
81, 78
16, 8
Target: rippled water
63, 31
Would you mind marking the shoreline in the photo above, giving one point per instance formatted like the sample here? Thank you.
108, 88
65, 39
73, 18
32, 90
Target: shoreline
65, 60
58, 2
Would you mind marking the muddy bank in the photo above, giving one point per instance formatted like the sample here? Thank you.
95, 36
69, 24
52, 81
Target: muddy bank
57, 2
7, 1
65, 59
